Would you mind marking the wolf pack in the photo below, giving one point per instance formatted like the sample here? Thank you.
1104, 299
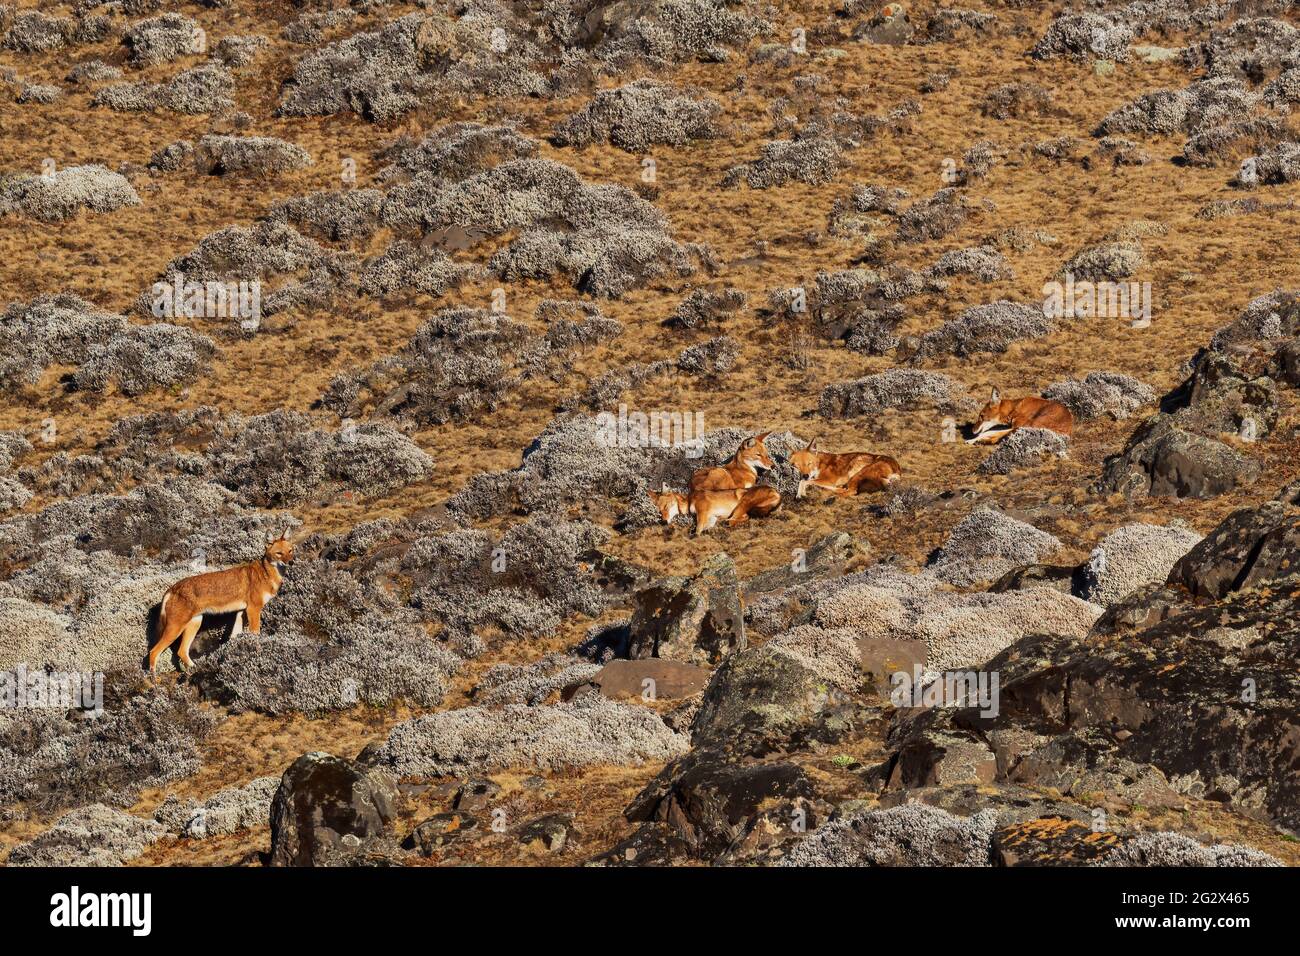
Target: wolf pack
730, 492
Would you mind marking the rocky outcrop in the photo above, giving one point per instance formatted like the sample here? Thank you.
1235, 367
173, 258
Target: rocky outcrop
711, 803
327, 809
1201, 703
1164, 460
698, 620
1180, 452
1251, 548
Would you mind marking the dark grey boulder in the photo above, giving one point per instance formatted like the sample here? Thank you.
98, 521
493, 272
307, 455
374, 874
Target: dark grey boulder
710, 802
327, 809
547, 834
1164, 460
440, 830
1251, 547
698, 620
1058, 577
651, 844
824, 558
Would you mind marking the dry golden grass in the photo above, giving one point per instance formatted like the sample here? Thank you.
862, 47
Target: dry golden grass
1202, 275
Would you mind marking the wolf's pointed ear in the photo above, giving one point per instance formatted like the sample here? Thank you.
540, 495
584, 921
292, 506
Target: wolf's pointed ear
762, 438
995, 395
748, 443
812, 445
663, 488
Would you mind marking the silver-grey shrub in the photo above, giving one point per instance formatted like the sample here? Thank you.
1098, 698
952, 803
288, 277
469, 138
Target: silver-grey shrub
65, 192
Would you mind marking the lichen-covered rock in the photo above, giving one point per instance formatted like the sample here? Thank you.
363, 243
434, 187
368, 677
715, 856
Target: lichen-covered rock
1266, 318
1250, 548
698, 620
1148, 717
1163, 459
709, 803
327, 808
